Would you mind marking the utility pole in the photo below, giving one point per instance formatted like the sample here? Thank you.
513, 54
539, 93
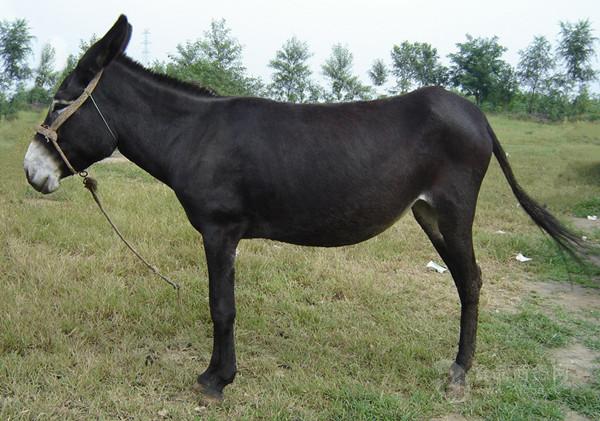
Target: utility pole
146, 50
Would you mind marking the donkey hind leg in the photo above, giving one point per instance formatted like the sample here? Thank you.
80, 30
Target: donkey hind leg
219, 247
449, 228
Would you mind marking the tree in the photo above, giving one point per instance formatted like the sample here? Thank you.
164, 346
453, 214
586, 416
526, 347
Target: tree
187, 54
403, 58
69, 67
415, 65
4, 105
576, 50
554, 103
378, 72
212, 76
72, 60
218, 47
506, 86
428, 69
221, 48
535, 66
45, 75
214, 61
15, 49
85, 45
344, 86
478, 69
291, 80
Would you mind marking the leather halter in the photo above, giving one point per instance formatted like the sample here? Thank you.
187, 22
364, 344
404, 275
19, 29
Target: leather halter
50, 133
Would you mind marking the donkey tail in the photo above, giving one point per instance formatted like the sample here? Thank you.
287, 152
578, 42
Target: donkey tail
566, 239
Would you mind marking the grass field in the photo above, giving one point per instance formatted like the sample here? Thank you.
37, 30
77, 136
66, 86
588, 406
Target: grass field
360, 332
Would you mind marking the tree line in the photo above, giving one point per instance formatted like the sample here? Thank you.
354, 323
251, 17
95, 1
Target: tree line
550, 81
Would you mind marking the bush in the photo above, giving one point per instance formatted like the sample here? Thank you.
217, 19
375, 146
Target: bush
39, 96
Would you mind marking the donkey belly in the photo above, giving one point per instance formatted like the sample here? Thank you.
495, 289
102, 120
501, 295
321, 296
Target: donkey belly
334, 225
336, 180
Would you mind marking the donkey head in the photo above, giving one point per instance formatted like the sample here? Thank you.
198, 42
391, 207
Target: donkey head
83, 137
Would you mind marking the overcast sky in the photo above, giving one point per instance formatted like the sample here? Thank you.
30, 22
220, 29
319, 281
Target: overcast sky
369, 28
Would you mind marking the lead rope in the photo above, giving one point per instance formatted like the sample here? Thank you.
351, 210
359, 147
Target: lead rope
92, 185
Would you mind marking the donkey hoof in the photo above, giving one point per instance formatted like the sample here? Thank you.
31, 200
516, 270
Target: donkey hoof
457, 374
455, 391
208, 395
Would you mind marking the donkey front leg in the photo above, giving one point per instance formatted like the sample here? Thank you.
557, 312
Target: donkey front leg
220, 246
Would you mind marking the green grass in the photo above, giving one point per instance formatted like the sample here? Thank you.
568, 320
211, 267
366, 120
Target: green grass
587, 207
360, 332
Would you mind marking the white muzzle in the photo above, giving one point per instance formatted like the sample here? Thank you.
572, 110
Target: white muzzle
41, 168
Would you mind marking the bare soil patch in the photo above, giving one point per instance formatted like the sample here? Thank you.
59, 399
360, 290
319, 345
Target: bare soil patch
574, 416
577, 362
572, 297
585, 224
450, 417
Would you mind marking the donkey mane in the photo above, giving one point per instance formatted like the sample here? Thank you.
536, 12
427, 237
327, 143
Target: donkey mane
190, 87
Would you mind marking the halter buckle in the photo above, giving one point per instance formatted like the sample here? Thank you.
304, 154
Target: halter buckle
47, 132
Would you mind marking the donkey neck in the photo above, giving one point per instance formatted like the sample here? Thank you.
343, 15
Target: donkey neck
149, 115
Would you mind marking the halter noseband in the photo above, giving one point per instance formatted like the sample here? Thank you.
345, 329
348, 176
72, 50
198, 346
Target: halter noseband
50, 133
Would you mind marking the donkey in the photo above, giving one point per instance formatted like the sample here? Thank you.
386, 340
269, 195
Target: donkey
323, 175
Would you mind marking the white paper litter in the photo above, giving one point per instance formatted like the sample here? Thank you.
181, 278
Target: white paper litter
592, 217
500, 232
436, 267
522, 258
584, 238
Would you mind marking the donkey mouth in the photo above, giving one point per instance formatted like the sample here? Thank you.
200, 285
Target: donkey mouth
46, 185
50, 184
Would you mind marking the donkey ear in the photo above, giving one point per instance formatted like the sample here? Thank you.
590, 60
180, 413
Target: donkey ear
108, 48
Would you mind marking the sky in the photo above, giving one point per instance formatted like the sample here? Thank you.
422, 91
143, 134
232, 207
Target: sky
368, 28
